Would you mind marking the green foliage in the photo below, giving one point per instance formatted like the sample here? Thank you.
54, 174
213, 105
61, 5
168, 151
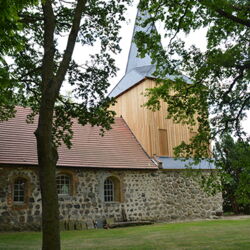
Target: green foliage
216, 88
10, 24
22, 46
10, 41
34, 69
233, 161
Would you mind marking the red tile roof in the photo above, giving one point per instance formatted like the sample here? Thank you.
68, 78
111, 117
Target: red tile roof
118, 148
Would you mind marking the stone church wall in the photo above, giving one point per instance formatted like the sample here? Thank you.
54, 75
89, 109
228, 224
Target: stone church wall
158, 195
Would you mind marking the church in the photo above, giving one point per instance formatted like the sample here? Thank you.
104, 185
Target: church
129, 174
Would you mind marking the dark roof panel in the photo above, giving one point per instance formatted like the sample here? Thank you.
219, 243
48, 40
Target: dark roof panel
172, 163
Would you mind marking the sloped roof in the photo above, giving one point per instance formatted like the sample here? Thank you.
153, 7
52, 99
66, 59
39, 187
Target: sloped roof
118, 148
172, 163
134, 61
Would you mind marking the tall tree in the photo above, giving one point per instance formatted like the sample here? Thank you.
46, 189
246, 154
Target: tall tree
10, 40
233, 160
219, 96
38, 71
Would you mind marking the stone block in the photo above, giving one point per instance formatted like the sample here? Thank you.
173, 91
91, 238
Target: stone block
62, 225
71, 224
2, 194
145, 197
110, 221
90, 224
84, 225
78, 225
99, 223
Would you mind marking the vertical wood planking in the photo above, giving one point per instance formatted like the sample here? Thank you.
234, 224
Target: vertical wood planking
146, 124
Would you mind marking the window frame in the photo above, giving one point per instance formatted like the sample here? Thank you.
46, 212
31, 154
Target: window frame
19, 205
70, 184
109, 190
24, 191
117, 196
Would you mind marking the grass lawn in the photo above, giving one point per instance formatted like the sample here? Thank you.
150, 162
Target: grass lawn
217, 234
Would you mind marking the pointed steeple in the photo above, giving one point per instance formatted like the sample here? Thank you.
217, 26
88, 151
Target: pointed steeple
137, 68
133, 60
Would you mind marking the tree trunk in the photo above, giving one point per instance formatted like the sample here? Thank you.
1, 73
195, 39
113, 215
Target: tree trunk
47, 153
47, 159
235, 206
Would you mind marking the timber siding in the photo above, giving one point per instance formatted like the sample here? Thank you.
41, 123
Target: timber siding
157, 135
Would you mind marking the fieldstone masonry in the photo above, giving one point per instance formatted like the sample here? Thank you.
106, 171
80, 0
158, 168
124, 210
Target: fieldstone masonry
157, 195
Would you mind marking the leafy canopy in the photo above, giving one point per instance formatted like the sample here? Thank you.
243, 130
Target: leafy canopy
34, 69
10, 40
21, 72
233, 160
219, 96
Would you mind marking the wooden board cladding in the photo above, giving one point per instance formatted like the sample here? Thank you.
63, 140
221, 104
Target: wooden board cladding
157, 135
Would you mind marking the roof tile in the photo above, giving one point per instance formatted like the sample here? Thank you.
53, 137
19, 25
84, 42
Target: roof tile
118, 148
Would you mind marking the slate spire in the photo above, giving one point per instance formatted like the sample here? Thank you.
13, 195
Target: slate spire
137, 68
133, 60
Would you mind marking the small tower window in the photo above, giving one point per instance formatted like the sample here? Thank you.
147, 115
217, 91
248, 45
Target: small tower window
20, 186
63, 184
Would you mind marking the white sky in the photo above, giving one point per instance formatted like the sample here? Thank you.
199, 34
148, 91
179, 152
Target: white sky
198, 38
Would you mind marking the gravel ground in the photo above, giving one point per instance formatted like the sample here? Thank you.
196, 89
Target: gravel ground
234, 217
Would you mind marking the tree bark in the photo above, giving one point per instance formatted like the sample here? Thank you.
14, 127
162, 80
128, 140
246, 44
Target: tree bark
46, 150
47, 158
47, 154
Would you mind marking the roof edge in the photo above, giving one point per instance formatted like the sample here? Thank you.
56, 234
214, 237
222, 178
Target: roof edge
153, 161
3, 165
137, 83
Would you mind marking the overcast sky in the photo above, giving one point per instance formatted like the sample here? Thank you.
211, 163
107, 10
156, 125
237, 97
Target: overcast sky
197, 38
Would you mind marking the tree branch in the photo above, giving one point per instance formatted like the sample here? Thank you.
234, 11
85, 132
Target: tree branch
232, 17
30, 73
179, 24
32, 90
240, 76
225, 14
27, 19
246, 102
70, 44
49, 47
240, 7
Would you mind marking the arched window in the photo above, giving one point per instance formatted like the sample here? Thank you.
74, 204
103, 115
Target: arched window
20, 190
112, 189
109, 190
63, 183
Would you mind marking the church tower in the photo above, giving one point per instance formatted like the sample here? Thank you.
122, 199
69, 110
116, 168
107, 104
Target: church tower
157, 135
